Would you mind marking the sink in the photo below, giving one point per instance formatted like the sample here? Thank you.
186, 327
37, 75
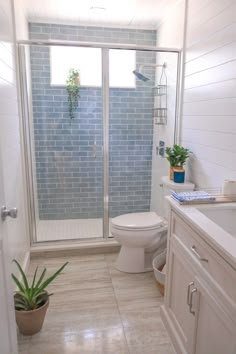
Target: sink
224, 217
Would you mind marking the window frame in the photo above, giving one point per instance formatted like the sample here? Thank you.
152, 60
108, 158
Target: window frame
92, 86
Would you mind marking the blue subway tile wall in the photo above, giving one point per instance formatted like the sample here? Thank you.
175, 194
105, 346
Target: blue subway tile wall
69, 179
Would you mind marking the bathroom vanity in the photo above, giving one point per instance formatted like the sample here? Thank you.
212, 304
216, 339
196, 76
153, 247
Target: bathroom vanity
199, 309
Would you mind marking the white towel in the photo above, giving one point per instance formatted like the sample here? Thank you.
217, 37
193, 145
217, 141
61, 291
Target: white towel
192, 196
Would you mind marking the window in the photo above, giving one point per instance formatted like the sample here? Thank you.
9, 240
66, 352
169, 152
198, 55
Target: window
89, 63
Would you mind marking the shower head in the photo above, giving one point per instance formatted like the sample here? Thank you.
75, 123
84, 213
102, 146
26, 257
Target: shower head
140, 76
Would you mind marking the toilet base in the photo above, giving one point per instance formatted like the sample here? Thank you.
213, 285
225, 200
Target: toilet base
139, 260
132, 260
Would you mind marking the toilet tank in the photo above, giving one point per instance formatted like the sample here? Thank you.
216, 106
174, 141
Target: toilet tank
168, 186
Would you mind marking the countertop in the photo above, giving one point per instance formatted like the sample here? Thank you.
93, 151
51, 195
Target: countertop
220, 240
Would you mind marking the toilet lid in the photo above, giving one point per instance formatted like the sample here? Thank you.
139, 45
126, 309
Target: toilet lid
138, 221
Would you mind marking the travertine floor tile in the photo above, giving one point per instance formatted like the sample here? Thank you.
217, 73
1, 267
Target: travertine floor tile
157, 349
74, 321
147, 336
100, 342
97, 309
140, 317
23, 343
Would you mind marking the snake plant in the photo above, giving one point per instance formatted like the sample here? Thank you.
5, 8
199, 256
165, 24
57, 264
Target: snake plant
32, 296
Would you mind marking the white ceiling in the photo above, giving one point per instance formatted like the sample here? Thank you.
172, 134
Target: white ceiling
146, 14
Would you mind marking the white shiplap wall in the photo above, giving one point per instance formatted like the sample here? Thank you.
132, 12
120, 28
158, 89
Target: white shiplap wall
169, 35
10, 145
209, 108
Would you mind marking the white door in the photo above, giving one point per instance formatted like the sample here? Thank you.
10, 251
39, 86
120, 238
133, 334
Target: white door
8, 342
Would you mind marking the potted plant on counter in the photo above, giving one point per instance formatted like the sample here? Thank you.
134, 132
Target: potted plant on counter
177, 156
31, 301
73, 89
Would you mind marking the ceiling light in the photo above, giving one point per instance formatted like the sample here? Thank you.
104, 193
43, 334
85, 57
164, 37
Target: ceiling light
97, 9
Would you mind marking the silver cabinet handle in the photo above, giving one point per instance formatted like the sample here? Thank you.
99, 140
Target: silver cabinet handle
8, 212
188, 293
191, 301
194, 250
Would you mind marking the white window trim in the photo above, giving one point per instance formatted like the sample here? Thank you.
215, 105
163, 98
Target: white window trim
87, 86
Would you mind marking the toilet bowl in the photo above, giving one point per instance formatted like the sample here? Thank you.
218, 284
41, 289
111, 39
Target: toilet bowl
144, 235
140, 236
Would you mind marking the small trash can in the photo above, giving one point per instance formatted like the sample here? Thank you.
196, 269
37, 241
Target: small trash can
158, 264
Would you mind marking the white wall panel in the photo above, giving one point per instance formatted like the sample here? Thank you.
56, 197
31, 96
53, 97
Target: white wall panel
223, 72
221, 55
224, 141
199, 19
214, 155
219, 90
169, 34
216, 40
212, 108
209, 108
224, 124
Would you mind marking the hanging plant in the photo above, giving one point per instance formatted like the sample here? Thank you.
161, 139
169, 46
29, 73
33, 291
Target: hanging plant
73, 87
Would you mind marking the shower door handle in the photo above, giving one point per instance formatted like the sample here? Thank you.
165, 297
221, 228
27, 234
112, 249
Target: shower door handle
95, 150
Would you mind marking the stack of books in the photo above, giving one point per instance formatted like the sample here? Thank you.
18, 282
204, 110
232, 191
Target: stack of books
195, 197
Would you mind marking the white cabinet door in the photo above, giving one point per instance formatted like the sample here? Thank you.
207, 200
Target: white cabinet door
216, 331
180, 284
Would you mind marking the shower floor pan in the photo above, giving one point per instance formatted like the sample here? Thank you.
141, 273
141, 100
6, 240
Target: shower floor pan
72, 229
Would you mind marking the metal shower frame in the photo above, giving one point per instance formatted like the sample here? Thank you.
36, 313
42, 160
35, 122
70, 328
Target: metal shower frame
105, 103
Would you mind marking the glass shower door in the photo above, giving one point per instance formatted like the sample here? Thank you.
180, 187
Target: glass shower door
130, 132
67, 160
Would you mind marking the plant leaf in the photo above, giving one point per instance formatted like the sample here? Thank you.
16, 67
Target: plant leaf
35, 273
51, 278
41, 278
22, 274
20, 306
33, 282
18, 283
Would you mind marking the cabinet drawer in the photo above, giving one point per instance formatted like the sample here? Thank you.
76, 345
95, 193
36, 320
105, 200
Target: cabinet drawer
208, 260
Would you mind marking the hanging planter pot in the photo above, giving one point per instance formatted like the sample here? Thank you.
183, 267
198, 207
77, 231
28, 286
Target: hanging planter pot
73, 89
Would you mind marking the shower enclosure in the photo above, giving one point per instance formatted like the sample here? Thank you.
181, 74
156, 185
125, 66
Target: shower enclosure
83, 171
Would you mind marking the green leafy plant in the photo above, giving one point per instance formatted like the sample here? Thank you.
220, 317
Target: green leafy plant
177, 155
73, 89
31, 297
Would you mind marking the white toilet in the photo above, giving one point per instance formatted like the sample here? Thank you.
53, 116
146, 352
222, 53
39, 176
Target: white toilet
143, 235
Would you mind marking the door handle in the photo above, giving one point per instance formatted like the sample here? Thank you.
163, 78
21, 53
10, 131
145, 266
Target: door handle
8, 212
194, 250
191, 301
188, 293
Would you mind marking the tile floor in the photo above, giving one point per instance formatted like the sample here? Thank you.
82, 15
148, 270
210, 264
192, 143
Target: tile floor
98, 310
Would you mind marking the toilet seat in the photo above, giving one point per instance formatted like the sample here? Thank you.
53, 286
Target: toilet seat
138, 222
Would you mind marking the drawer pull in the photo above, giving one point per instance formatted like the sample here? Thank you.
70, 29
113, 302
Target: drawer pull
194, 250
191, 301
188, 293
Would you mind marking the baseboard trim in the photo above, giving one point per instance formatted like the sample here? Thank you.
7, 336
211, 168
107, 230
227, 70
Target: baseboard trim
73, 249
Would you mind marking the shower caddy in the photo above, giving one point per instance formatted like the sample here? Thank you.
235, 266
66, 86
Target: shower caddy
160, 99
